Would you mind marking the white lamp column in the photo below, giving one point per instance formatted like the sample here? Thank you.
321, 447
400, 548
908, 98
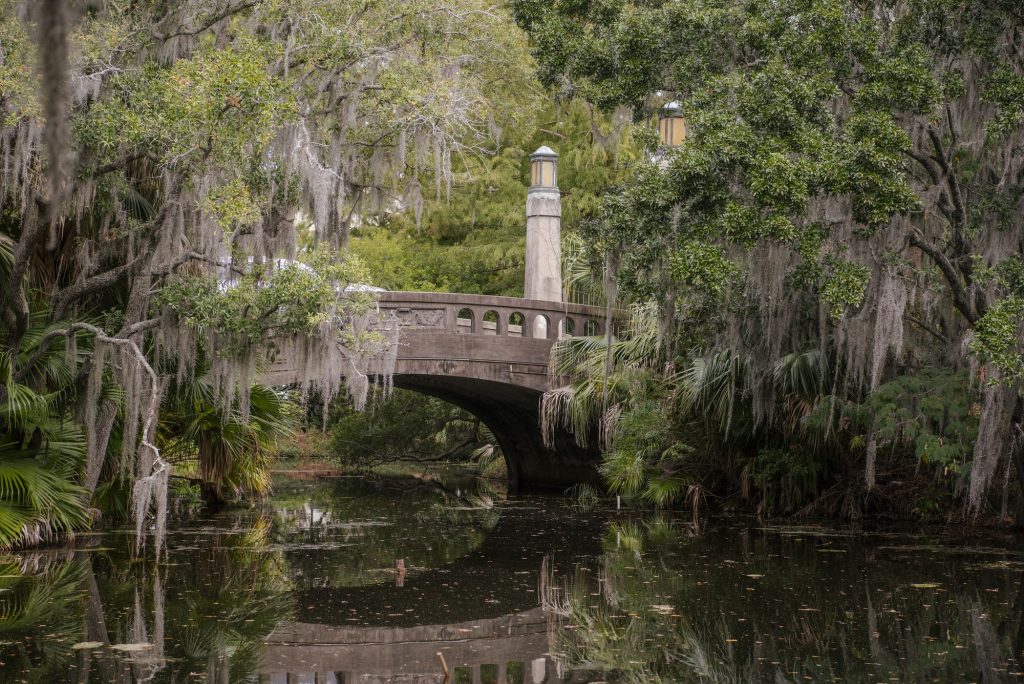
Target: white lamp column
544, 229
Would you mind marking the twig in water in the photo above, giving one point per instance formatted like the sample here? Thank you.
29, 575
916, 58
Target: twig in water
444, 667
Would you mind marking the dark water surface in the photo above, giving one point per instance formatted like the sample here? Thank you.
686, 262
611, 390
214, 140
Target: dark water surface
368, 580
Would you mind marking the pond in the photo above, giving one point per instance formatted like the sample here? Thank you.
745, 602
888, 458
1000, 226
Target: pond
385, 580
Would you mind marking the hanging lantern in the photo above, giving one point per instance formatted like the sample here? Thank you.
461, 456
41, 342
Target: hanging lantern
671, 125
544, 168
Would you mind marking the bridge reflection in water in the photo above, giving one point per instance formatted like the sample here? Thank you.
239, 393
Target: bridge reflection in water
509, 650
485, 612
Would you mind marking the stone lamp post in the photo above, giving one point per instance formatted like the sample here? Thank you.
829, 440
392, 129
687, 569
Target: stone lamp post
544, 229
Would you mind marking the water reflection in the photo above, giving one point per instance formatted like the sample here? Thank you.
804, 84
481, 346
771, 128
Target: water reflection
353, 531
788, 604
307, 588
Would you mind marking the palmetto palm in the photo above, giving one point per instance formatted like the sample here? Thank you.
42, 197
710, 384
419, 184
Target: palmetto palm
715, 401
41, 449
228, 451
593, 386
614, 383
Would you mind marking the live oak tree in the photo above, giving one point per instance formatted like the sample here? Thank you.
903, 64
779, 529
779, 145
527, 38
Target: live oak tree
152, 183
851, 181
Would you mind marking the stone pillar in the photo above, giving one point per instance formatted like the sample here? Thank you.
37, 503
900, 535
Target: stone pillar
544, 229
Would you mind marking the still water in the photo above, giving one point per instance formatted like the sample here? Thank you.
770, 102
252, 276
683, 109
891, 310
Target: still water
386, 581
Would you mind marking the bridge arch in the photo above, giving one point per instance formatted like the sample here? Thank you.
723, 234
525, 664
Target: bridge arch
541, 327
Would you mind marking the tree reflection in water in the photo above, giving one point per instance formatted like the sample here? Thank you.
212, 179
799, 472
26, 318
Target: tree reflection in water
228, 582
351, 531
788, 605
306, 584
101, 615
41, 590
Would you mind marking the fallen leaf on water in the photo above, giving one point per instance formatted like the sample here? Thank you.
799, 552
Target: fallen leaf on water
925, 585
131, 648
86, 644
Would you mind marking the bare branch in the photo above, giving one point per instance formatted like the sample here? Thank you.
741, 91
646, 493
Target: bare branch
48, 338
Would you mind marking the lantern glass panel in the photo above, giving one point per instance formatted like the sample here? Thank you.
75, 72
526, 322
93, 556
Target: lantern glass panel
678, 130
672, 130
543, 173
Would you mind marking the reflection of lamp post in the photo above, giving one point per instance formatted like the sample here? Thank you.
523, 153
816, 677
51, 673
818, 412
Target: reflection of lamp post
671, 125
543, 229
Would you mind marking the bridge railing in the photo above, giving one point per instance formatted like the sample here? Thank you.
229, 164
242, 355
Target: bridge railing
440, 312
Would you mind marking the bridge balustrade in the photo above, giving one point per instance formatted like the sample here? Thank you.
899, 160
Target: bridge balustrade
463, 314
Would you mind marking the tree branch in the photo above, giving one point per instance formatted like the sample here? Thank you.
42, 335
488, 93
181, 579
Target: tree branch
961, 298
49, 337
109, 167
959, 214
928, 329
31, 234
925, 162
68, 295
205, 26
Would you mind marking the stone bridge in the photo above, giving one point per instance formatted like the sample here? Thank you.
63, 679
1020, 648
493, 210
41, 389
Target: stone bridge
489, 355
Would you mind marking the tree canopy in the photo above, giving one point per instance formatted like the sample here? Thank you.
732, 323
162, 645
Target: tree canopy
851, 181
153, 188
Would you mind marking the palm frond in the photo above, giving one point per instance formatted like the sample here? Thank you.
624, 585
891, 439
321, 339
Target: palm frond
711, 389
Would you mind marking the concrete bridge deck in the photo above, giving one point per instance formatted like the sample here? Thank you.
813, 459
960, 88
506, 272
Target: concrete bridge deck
500, 339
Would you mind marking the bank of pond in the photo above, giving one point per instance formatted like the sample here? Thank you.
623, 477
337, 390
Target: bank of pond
397, 579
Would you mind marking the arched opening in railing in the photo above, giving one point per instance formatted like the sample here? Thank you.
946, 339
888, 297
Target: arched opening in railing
515, 324
491, 323
568, 326
541, 325
464, 321
591, 328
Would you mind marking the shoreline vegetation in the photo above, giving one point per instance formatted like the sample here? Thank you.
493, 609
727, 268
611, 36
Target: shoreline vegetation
813, 211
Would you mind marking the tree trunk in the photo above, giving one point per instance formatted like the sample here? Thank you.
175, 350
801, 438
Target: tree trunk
1017, 456
213, 498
